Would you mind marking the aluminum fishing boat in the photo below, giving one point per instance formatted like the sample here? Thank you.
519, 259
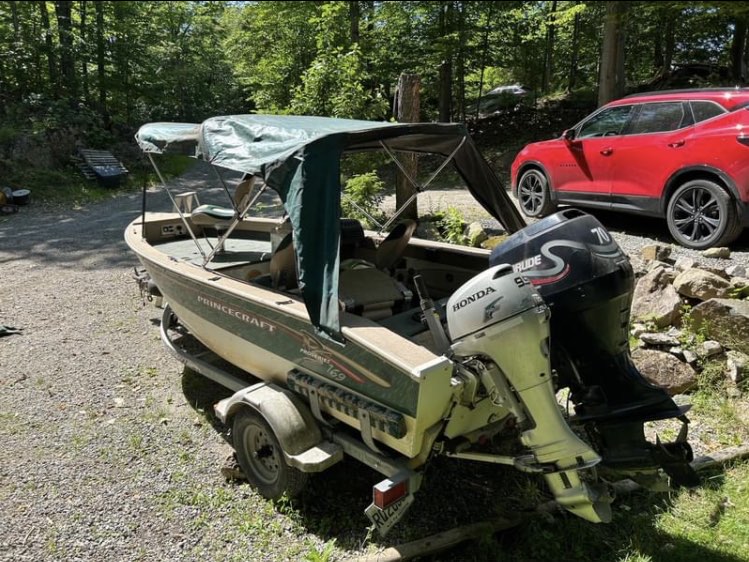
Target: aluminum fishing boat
372, 342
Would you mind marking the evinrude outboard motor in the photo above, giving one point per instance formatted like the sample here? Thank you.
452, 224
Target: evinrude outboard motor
588, 283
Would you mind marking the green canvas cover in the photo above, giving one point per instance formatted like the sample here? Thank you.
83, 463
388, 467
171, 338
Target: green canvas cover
299, 157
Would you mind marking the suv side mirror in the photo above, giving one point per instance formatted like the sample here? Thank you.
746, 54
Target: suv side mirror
569, 135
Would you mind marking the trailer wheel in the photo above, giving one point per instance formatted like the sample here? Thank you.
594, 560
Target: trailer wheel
261, 458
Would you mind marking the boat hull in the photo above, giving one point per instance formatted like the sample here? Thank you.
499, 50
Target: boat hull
268, 334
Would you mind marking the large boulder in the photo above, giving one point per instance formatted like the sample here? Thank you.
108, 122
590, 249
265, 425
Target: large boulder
699, 284
724, 320
655, 300
664, 370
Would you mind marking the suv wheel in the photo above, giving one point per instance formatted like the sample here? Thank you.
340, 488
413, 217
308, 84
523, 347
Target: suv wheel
701, 215
533, 194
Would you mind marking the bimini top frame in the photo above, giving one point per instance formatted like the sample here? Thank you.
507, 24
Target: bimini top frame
299, 157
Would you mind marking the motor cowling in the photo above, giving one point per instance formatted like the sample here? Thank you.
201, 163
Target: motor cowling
588, 283
491, 297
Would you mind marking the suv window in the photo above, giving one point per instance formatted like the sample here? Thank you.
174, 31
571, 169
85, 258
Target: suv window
705, 110
659, 118
608, 122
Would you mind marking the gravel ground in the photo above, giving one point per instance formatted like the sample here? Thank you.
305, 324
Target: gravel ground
109, 452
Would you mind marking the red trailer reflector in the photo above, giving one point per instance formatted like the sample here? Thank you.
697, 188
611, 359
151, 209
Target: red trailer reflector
387, 492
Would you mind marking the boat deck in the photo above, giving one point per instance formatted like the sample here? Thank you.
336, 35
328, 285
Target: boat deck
237, 251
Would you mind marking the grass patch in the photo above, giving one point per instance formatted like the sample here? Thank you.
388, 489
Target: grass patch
67, 188
707, 523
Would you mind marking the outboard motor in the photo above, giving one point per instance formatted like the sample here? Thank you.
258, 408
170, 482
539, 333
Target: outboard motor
499, 317
588, 283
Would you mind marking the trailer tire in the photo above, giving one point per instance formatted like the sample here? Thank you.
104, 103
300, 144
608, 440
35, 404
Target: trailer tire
260, 455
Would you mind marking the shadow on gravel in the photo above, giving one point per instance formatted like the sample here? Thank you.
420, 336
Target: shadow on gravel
202, 393
92, 237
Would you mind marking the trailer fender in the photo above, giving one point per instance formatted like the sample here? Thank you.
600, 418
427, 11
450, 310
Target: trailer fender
291, 421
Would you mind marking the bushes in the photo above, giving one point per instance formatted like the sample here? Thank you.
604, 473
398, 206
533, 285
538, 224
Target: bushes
362, 197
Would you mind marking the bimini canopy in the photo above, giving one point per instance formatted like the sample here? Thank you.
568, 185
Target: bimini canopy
299, 157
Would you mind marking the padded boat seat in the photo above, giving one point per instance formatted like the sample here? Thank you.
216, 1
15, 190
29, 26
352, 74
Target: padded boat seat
370, 292
213, 215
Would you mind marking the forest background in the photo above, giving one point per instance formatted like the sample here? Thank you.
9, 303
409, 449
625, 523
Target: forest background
89, 73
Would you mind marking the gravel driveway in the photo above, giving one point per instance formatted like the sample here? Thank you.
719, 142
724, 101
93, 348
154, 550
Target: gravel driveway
109, 453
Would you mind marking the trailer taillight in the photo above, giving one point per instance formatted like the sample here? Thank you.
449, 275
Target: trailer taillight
387, 492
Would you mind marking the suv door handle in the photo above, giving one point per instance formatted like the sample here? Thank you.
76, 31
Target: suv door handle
676, 144
607, 151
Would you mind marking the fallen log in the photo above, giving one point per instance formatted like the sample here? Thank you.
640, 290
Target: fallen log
441, 541
720, 458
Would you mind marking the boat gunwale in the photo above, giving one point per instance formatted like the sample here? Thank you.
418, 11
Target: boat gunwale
404, 354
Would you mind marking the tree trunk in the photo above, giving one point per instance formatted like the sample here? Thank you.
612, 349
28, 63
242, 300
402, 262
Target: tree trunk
84, 52
445, 70
611, 81
549, 59
100, 64
49, 48
738, 63
669, 43
445, 100
572, 82
484, 49
461, 67
407, 111
17, 48
354, 17
63, 10
658, 41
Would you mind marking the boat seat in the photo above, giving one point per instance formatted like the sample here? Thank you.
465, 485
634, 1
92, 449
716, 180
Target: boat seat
243, 191
370, 292
368, 289
391, 249
222, 217
283, 272
352, 238
213, 215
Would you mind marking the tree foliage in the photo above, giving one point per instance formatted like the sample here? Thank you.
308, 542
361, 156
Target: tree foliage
110, 66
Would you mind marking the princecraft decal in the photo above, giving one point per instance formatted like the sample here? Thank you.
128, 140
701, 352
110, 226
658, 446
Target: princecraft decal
338, 367
478, 295
241, 315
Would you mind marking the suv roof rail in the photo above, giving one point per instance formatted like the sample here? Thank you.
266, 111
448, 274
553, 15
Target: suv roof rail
687, 91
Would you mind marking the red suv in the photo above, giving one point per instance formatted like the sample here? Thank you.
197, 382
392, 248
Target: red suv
682, 154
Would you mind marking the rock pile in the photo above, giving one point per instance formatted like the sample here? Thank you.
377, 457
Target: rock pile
685, 315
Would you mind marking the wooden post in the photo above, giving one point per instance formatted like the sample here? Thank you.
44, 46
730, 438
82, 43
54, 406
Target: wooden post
407, 111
